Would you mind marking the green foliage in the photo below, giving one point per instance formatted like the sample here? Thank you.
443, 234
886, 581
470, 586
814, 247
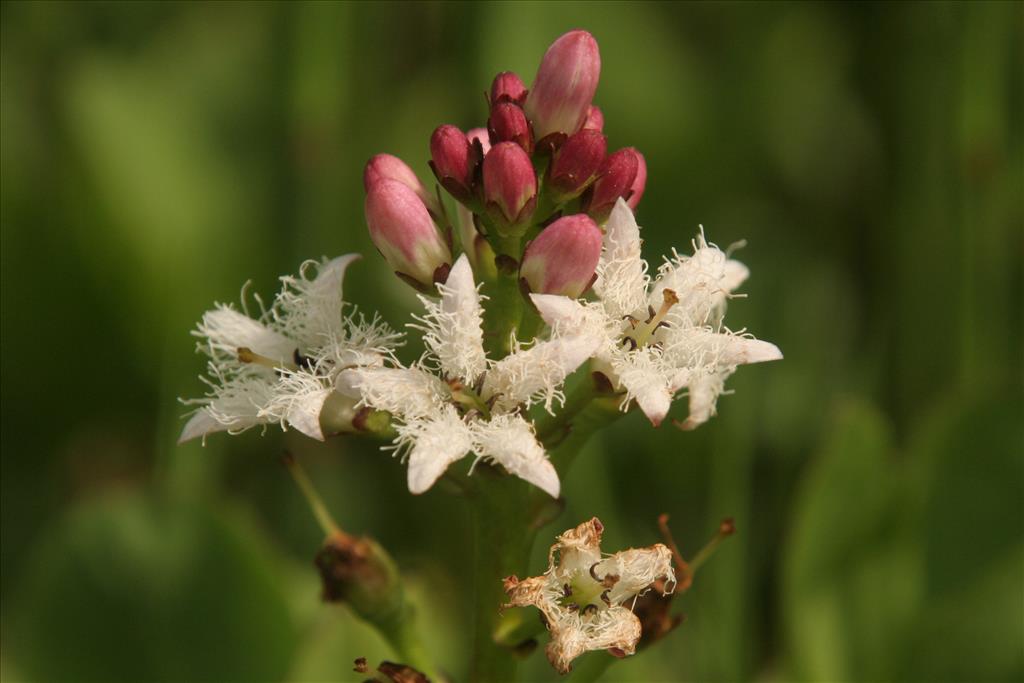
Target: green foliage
908, 568
123, 581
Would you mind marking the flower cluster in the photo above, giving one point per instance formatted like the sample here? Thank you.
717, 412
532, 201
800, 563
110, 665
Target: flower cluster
544, 236
529, 269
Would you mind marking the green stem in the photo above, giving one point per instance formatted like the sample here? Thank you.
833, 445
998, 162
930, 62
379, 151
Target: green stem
403, 636
504, 535
505, 306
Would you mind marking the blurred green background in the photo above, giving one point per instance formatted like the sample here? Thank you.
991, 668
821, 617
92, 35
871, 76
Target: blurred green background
155, 156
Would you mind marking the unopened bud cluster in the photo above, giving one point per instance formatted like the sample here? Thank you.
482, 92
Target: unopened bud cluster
532, 187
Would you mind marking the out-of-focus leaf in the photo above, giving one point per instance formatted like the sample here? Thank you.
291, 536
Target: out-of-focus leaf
971, 626
133, 589
975, 632
850, 573
974, 485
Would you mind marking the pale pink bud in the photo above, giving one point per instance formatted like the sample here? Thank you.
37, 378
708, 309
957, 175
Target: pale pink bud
406, 237
563, 257
480, 135
614, 180
565, 85
510, 185
636, 190
507, 87
452, 160
389, 167
594, 120
576, 163
507, 123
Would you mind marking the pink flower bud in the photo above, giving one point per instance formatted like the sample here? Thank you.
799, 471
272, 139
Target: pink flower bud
614, 180
563, 257
636, 190
565, 85
507, 123
452, 161
510, 185
482, 136
388, 167
507, 87
594, 120
576, 163
402, 231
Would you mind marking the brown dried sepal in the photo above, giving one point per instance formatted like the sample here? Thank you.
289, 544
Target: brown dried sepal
401, 673
345, 562
653, 610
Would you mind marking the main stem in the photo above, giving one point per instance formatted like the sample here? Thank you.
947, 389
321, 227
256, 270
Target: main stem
503, 537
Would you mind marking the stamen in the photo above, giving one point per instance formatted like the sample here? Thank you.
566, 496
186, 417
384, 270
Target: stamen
247, 355
469, 399
641, 333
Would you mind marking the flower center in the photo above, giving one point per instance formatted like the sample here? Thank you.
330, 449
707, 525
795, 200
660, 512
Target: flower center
640, 333
587, 593
468, 399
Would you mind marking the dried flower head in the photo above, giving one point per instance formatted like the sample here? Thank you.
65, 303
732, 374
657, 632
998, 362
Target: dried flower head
582, 595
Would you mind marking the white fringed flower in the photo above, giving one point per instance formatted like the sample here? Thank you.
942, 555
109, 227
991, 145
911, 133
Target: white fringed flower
652, 344
282, 366
582, 594
455, 400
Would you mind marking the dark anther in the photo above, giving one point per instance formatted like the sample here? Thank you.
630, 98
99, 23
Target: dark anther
593, 575
566, 590
633, 322
651, 313
630, 341
589, 609
573, 607
605, 599
304, 362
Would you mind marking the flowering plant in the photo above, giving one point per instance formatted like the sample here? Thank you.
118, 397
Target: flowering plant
540, 323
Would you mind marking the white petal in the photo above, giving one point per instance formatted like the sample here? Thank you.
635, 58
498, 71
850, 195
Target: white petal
304, 413
200, 424
235, 404
615, 627
227, 330
637, 569
406, 392
537, 372
702, 283
436, 443
310, 310
559, 312
645, 376
509, 440
622, 273
735, 275
452, 326
704, 389
702, 347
